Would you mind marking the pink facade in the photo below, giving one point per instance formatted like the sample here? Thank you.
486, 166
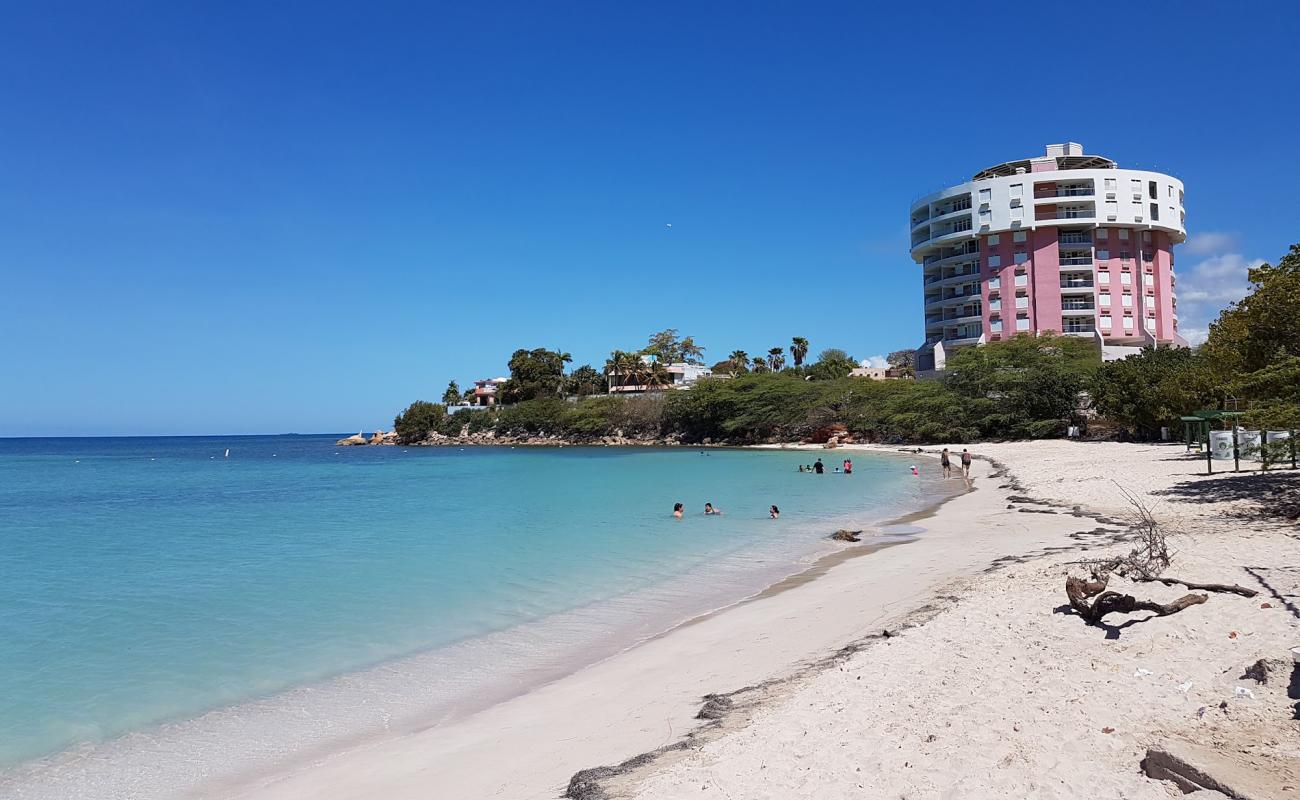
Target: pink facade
1028, 288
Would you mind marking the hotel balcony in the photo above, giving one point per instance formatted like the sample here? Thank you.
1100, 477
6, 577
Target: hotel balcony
1063, 191
942, 279
1076, 261
935, 258
1073, 237
1055, 212
1077, 307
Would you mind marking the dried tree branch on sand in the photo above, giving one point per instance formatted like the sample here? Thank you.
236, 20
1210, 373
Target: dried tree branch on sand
1143, 564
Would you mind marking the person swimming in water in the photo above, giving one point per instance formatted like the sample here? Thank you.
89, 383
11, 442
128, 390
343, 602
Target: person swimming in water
819, 467
848, 466
774, 512
678, 510
709, 510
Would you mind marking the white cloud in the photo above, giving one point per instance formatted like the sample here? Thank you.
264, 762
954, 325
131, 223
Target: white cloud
1207, 287
1204, 244
878, 362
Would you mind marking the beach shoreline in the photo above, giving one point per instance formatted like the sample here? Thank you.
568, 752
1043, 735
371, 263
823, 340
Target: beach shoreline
117, 760
654, 713
639, 699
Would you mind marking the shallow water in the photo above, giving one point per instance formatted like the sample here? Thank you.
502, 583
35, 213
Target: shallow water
160, 602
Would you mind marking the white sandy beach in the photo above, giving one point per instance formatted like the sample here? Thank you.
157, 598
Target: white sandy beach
983, 690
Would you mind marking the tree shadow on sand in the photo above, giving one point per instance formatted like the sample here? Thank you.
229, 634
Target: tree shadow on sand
1112, 631
1263, 495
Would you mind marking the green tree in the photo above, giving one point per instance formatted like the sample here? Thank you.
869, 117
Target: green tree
1152, 389
534, 373
904, 361
776, 359
759, 365
832, 364
585, 381
452, 396
1254, 346
1264, 326
798, 350
1026, 387
739, 361
419, 418
669, 348
656, 376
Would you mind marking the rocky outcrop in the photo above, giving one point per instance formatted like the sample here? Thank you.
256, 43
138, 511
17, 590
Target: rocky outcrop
379, 437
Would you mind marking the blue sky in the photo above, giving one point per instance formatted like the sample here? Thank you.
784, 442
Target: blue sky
300, 217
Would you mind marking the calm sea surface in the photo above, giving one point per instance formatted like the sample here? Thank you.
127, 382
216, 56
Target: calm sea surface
163, 606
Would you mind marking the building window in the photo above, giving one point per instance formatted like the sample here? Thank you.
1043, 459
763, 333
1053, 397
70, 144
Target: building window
1103, 255
1017, 214
1125, 256
995, 261
1103, 299
995, 326
986, 195
1149, 279
1137, 189
1123, 234
1017, 190
1022, 323
1103, 277
1126, 278
1103, 233
1105, 320
995, 239
1148, 256
1019, 236
1146, 236
995, 283
1020, 257
1110, 184
1155, 212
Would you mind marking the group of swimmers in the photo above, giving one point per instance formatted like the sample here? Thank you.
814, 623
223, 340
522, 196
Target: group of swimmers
709, 511
819, 468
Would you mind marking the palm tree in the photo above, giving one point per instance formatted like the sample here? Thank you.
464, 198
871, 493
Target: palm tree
759, 365
798, 349
657, 376
739, 360
776, 359
614, 367
691, 352
636, 369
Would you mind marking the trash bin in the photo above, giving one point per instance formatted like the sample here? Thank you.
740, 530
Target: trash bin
1221, 445
1248, 444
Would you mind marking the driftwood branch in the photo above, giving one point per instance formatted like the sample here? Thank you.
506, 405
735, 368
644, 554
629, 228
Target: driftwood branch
1204, 587
1079, 590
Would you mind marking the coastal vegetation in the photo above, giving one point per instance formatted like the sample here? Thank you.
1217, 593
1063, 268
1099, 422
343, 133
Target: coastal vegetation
1022, 388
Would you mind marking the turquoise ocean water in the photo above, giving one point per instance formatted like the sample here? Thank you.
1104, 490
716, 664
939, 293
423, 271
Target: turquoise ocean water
169, 614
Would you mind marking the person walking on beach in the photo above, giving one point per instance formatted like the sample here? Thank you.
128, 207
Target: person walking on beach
709, 510
965, 463
774, 512
946, 463
848, 466
819, 467
678, 510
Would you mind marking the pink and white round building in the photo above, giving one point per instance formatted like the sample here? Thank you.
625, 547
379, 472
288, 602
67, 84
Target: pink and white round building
1065, 242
